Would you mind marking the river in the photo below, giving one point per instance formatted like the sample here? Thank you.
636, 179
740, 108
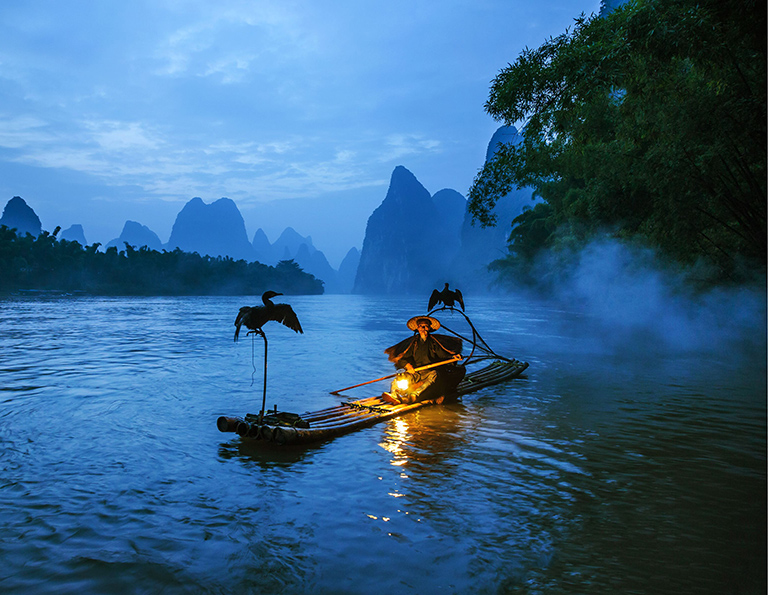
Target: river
625, 460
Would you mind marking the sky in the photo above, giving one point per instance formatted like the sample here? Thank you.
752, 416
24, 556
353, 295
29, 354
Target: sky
298, 111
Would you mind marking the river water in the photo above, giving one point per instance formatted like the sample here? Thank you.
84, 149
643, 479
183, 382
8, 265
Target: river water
626, 460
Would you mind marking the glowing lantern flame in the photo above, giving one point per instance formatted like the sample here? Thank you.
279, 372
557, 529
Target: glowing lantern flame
402, 380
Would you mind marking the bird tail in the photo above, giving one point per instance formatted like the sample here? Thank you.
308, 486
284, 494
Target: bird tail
239, 320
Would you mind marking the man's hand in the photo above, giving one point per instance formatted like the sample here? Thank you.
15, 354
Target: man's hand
409, 368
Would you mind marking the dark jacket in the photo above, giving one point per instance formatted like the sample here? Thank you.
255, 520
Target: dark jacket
438, 348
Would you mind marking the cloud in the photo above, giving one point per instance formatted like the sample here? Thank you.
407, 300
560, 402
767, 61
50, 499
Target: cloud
115, 136
275, 148
22, 131
166, 165
344, 156
232, 69
178, 50
398, 146
229, 40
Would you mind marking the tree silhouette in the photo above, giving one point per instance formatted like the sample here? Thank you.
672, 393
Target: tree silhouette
45, 263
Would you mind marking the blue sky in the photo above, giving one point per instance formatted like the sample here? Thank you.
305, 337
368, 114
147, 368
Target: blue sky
297, 111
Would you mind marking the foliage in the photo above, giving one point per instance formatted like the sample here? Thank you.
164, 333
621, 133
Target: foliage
45, 263
650, 123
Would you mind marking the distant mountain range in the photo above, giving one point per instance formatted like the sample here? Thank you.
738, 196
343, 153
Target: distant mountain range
413, 242
218, 229
215, 229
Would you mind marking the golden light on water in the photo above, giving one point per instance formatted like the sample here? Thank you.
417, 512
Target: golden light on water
397, 434
401, 426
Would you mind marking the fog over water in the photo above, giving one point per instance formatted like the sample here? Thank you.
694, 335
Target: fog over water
629, 458
635, 306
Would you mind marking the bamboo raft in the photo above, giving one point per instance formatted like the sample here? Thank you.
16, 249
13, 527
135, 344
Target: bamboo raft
290, 428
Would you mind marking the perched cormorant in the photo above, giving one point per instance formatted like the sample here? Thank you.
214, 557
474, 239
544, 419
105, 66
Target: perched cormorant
447, 297
257, 316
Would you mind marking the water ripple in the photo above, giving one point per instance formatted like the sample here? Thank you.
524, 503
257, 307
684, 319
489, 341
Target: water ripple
594, 473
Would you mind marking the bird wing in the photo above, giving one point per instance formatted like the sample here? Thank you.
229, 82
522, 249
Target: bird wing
433, 299
284, 314
459, 298
239, 320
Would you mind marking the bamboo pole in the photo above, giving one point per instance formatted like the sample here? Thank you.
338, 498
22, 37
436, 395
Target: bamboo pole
419, 369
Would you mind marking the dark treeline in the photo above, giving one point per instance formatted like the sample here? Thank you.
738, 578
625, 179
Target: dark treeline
45, 263
648, 124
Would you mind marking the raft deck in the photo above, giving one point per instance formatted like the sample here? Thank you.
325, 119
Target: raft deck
313, 426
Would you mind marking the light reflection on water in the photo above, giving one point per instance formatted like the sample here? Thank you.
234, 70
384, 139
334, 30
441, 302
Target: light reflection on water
600, 470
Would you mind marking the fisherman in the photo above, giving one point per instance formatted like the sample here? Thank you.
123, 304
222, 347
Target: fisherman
421, 349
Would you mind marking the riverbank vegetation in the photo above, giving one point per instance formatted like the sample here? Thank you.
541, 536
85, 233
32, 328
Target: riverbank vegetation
45, 263
647, 124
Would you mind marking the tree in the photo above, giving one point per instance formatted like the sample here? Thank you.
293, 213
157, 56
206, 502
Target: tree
650, 123
45, 263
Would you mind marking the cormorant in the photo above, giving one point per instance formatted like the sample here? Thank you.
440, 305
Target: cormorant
257, 316
447, 297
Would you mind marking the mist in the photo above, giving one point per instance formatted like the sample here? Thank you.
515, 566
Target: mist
632, 304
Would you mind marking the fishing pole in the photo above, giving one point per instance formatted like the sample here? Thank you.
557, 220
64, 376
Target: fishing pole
448, 361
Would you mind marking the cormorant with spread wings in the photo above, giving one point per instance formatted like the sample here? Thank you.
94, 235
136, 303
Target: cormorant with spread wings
447, 297
256, 317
